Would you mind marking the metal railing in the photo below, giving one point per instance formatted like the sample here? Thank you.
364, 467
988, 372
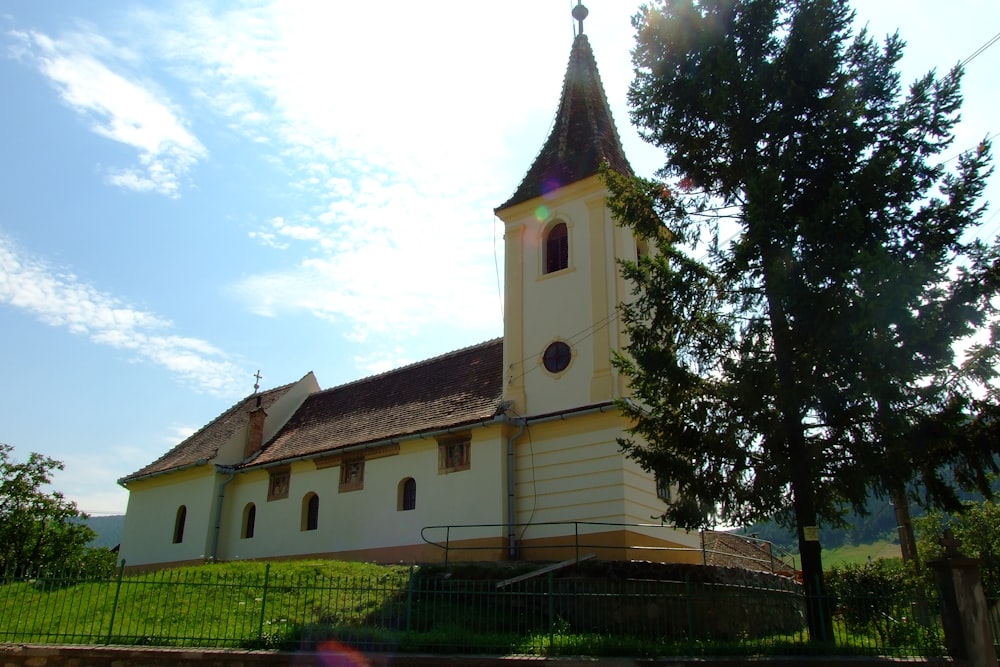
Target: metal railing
253, 606
771, 557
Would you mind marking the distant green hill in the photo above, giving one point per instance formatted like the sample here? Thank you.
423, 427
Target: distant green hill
875, 529
108, 529
879, 525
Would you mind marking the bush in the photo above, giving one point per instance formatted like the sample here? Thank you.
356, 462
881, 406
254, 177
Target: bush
876, 597
977, 528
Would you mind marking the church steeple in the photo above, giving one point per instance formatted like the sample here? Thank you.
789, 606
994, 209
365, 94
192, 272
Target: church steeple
583, 135
561, 282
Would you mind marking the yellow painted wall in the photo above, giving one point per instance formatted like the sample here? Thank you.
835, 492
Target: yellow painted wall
573, 471
576, 305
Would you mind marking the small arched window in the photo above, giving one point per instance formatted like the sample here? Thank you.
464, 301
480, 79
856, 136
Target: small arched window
557, 248
406, 497
310, 512
641, 248
249, 520
179, 524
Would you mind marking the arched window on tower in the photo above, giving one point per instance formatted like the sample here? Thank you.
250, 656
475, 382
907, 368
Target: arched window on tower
179, 524
641, 248
557, 248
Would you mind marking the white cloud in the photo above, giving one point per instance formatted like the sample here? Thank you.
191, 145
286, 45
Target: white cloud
92, 483
379, 272
60, 299
121, 109
382, 139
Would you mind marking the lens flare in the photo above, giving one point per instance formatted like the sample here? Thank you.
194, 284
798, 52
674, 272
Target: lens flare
335, 654
542, 213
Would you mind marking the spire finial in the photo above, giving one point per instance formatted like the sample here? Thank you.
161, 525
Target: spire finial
579, 13
256, 385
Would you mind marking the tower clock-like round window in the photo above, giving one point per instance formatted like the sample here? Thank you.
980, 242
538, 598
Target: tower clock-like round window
556, 357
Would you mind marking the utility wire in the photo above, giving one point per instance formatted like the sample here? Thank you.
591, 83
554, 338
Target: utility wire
978, 52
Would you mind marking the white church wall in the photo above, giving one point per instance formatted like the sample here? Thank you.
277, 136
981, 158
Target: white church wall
151, 518
369, 518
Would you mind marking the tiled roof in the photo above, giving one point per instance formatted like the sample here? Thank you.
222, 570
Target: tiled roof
583, 135
203, 445
459, 388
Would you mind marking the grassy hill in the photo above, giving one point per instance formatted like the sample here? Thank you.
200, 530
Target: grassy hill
860, 553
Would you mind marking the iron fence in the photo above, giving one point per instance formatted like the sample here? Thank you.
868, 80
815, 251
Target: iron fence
432, 611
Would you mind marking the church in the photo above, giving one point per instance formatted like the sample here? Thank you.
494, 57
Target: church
505, 450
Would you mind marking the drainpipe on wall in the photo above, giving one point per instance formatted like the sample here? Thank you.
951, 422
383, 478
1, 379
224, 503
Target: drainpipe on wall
218, 510
511, 510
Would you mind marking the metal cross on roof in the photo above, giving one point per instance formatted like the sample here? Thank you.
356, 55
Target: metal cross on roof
579, 13
256, 385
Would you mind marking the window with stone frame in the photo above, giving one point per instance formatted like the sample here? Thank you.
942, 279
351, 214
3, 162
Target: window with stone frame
352, 475
279, 479
454, 453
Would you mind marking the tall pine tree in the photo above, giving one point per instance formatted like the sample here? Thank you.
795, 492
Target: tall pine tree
785, 371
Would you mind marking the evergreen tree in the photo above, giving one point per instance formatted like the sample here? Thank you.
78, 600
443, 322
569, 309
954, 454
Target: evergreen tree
782, 372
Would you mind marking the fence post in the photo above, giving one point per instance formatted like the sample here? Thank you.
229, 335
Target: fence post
114, 605
552, 610
409, 600
689, 605
263, 603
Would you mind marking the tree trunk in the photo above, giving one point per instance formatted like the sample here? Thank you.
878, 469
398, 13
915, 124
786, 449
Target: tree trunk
800, 463
904, 525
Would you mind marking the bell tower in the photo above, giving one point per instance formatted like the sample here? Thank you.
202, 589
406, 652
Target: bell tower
562, 283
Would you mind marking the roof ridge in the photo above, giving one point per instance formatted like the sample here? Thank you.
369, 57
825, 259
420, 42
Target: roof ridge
410, 366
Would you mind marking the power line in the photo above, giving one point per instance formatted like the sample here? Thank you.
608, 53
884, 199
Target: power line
978, 52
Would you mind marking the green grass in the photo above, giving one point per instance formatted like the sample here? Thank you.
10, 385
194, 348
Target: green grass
851, 554
231, 604
305, 604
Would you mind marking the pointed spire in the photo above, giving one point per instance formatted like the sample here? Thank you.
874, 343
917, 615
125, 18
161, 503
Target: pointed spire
583, 135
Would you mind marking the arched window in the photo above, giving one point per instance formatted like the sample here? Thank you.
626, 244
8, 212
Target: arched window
406, 495
557, 248
249, 519
179, 524
310, 511
641, 248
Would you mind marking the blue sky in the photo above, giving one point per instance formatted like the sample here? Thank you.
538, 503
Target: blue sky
192, 191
